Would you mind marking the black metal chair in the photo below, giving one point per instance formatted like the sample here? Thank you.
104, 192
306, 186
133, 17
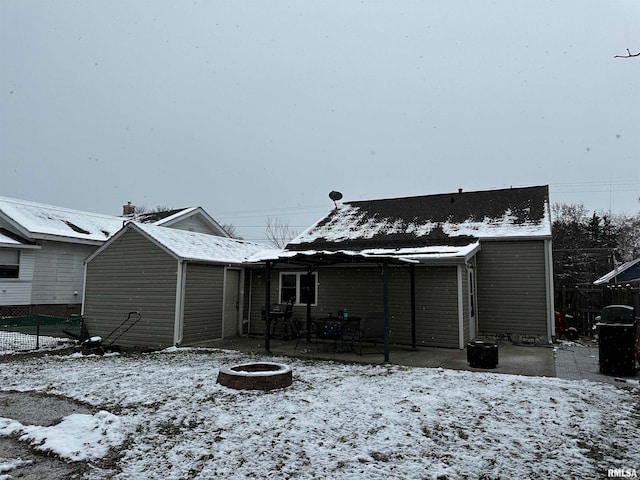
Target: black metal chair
284, 312
371, 331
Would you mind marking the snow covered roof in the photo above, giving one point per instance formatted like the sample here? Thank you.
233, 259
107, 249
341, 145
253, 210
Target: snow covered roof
36, 221
431, 254
158, 218
438, 221
625, 273
198, 247
8, 239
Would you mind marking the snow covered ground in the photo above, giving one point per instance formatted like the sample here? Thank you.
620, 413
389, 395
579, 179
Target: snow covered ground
11, 342
164, 416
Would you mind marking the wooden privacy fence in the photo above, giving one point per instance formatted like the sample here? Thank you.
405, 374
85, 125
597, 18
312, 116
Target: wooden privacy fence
580, 306
32, 332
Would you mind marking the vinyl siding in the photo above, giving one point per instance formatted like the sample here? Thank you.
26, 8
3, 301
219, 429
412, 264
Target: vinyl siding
194, 224
203, 303
132, 274
512, 288
17, 291
360, 290
59, 272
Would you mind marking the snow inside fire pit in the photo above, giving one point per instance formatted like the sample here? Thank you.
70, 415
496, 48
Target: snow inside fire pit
256, 376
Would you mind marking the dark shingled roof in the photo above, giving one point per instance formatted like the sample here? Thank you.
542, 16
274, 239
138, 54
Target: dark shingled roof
153, 217
430, 220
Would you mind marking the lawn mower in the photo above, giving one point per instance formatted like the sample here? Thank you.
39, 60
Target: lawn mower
97, 345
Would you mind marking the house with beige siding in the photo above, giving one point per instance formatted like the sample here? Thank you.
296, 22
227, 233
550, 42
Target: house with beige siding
43, 248
189, 288
446, 268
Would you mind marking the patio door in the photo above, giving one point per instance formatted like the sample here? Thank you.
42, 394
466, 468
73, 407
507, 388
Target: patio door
230, 325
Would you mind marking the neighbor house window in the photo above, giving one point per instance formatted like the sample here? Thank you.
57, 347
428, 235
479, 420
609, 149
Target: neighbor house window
299, 287
9, 263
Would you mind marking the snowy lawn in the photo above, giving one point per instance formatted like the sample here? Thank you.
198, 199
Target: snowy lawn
165, 417
12, 342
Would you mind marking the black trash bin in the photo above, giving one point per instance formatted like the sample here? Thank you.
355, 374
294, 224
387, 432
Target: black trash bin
616, 338
616, 353
482, 354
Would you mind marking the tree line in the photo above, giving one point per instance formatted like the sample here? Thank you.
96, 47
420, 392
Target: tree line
587, 245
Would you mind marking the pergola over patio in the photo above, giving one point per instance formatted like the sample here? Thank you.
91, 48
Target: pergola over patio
311, 260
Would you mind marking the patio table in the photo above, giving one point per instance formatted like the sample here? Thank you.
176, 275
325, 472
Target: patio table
337, 330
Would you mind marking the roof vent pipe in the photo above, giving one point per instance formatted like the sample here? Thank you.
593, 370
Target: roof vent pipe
459, 190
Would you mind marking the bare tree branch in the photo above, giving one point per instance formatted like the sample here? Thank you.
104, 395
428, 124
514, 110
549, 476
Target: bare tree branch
278, 232
231, 230
628, 55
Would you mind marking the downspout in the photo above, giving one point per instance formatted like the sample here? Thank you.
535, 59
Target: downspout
84, 288
178, 327
460, 308
548, 257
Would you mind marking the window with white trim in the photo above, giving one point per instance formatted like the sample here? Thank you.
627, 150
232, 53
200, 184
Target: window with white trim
298, 286
9, 263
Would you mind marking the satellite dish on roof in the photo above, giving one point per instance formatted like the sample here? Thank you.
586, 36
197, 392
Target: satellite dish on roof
335, 196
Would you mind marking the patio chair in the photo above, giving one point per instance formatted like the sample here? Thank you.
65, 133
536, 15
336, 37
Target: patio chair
284, 312
371, 331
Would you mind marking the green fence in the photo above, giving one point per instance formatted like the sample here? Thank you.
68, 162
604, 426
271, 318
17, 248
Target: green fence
33, 332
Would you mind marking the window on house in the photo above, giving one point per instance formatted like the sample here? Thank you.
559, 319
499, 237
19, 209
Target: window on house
299, 287
9, 263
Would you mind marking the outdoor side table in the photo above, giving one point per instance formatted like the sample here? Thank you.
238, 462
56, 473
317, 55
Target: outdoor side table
482, 354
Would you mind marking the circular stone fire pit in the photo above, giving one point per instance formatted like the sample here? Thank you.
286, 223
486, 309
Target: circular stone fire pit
256, 376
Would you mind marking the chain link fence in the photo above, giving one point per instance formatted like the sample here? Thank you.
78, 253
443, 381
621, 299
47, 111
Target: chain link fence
34, 332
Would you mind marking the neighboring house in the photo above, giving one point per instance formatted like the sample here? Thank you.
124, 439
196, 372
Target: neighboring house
192, 219
479, 264
189, 288
627, 273
43, 247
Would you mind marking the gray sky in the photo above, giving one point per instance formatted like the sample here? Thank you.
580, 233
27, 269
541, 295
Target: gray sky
256, 109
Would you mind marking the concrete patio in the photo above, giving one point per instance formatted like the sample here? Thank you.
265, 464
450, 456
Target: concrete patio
513, 359
569, 360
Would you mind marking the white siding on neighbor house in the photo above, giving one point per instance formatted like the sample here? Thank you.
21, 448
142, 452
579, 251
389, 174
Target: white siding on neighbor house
194, 224
512, 288
17, 291
202, 304
27, 265
132, 274
59, 273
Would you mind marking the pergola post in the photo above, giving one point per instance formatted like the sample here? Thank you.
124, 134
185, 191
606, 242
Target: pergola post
412, 275
309, 278
267, 306
385, 299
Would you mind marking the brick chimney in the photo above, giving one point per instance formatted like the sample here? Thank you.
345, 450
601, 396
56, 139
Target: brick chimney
128, 210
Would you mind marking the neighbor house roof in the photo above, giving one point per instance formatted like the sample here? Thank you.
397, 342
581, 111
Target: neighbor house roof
626, 273
37, 221
161, 216
192, 246
9, 239
438, 222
